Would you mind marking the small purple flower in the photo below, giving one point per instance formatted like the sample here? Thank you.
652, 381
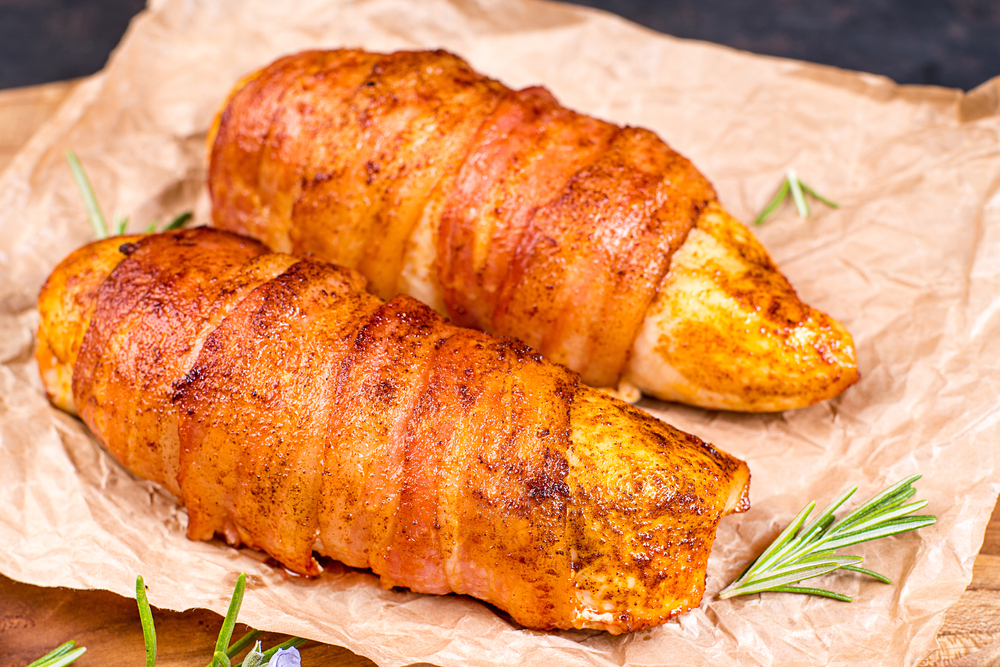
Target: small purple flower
286, 657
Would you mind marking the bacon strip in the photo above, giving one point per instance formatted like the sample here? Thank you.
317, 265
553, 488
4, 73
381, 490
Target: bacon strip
551, 226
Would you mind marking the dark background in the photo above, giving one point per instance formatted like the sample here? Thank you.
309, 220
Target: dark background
953, 43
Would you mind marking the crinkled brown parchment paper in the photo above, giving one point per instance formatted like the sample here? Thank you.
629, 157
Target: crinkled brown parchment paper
910, 263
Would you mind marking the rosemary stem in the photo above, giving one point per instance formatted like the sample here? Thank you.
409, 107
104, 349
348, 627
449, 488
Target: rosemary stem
230, 621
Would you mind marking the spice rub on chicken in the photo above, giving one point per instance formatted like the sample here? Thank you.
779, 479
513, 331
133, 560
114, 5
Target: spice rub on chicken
598, 245
285, 406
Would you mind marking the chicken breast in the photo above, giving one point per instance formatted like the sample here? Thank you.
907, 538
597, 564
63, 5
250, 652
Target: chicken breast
598, 245
288, 408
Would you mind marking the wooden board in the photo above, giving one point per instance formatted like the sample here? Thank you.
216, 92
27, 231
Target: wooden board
34, 620
973, 621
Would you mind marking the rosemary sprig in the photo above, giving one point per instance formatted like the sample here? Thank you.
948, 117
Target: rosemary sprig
803, 552
794, 186
97, 221
58, 657
224, 651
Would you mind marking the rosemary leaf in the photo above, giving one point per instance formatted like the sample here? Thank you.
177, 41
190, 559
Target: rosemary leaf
800, 553
812, 193
896, 494
146, 618
864, 512
97, 222
860, 570
178, 222
800, 199
891, 528
121, 222
886, 513
53, 654
779, 547
805, 590
793, 185
61, 655
819, 526
775, 202
60, 660
813, 563
230, 621
790, 575
242, 642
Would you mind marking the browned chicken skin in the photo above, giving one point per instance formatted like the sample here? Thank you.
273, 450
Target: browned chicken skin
598, 245
291, 410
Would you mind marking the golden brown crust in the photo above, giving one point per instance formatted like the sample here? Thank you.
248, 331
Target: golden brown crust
663, 491
384, 374
242, 186
71, 289
517, 216
290, 405
501, 416
723, 303
142, 339
347, 135
522, 157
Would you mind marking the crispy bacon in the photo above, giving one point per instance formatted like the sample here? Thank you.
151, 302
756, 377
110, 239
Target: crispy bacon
286, 405
596, 244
